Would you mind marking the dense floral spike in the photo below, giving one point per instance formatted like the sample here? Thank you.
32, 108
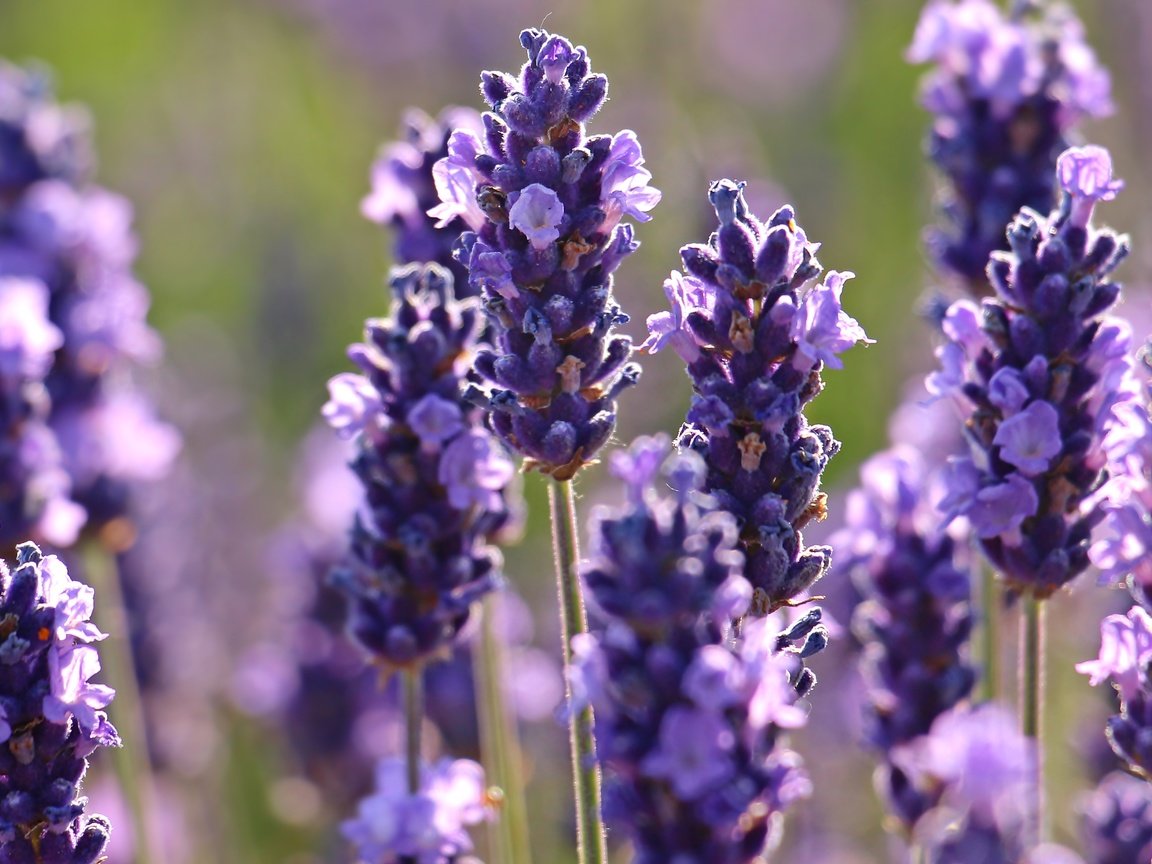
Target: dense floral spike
916, 618
51, 714
35, 499
545, 204
403, 191
394, 826
1123, 554
75, 239
1005, 93
1041, 371
1116, 820
1125, 652
980, 768
688, 727
756, 335
433, 477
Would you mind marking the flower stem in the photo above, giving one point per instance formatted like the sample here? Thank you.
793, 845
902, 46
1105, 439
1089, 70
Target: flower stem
1032, 639
501, 744
413, 720
989, 632
590, 846
131, 761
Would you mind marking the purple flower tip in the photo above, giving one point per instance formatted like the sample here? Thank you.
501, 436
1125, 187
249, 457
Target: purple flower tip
1085, 174
1125, 650
435, 419
536, 214
475, 469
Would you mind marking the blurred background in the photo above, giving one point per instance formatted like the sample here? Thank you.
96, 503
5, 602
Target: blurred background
243, 132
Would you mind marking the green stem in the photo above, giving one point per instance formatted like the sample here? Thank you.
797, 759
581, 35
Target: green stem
131, 761
501, 743
590, 845
989, 632
1032, 639
413, 721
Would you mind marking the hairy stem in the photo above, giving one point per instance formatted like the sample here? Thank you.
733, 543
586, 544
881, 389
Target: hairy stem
989, 632
413, 720
131, 761
501, 743
1032, 639
590, 845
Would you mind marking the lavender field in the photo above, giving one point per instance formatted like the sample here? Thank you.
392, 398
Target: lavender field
658, 431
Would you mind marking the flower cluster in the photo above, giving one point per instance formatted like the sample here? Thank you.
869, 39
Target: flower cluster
1005, 93
545, 204
1125, 652
51, 716
916, 617
1041, 370
755, 336
433, 477
980, 768
403, 191
395, 826
1123, 553
70, 245
1117, 820
688, 727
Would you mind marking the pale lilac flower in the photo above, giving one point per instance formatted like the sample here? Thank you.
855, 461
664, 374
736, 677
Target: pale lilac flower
455, 177
435, 419
536, 214
1125, 650
475, 469
1030, 439
28, 338
686, 295
823, 330
352, 402
692, 753
1085, 173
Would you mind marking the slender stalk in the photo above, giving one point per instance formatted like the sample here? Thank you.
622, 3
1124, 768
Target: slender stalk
1032, 639
413, 721
501, 743
989, 632
131, 761
590, 846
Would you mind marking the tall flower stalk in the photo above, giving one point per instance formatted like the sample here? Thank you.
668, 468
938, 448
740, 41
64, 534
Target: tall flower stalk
1040, 371
756, 331
690, 717
433, 482
546, 204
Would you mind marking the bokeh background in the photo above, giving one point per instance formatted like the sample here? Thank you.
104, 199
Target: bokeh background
243, 131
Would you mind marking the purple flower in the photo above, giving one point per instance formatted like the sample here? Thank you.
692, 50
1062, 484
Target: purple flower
475, 470
755, 336
693, 752
455, 178
435, 420
1045, 384
1085, 174
28, 339
685, 295
1030, 439
822, 329
915, 618
547, 236
432, 478
428, 827
48, 686
404, 190
690, 717
1125, 650
1116, 820
1006, 93
536, 214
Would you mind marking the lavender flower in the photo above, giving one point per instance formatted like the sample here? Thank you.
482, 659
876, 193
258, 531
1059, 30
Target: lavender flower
1125, 652
35, 501
545, 204
1116, 820
1041, 371
688, 728
419, 556
395, 826
74, 238
1123, 552
51, 714
1005, 94
755, 336
916, 618
980, 768
404, 190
